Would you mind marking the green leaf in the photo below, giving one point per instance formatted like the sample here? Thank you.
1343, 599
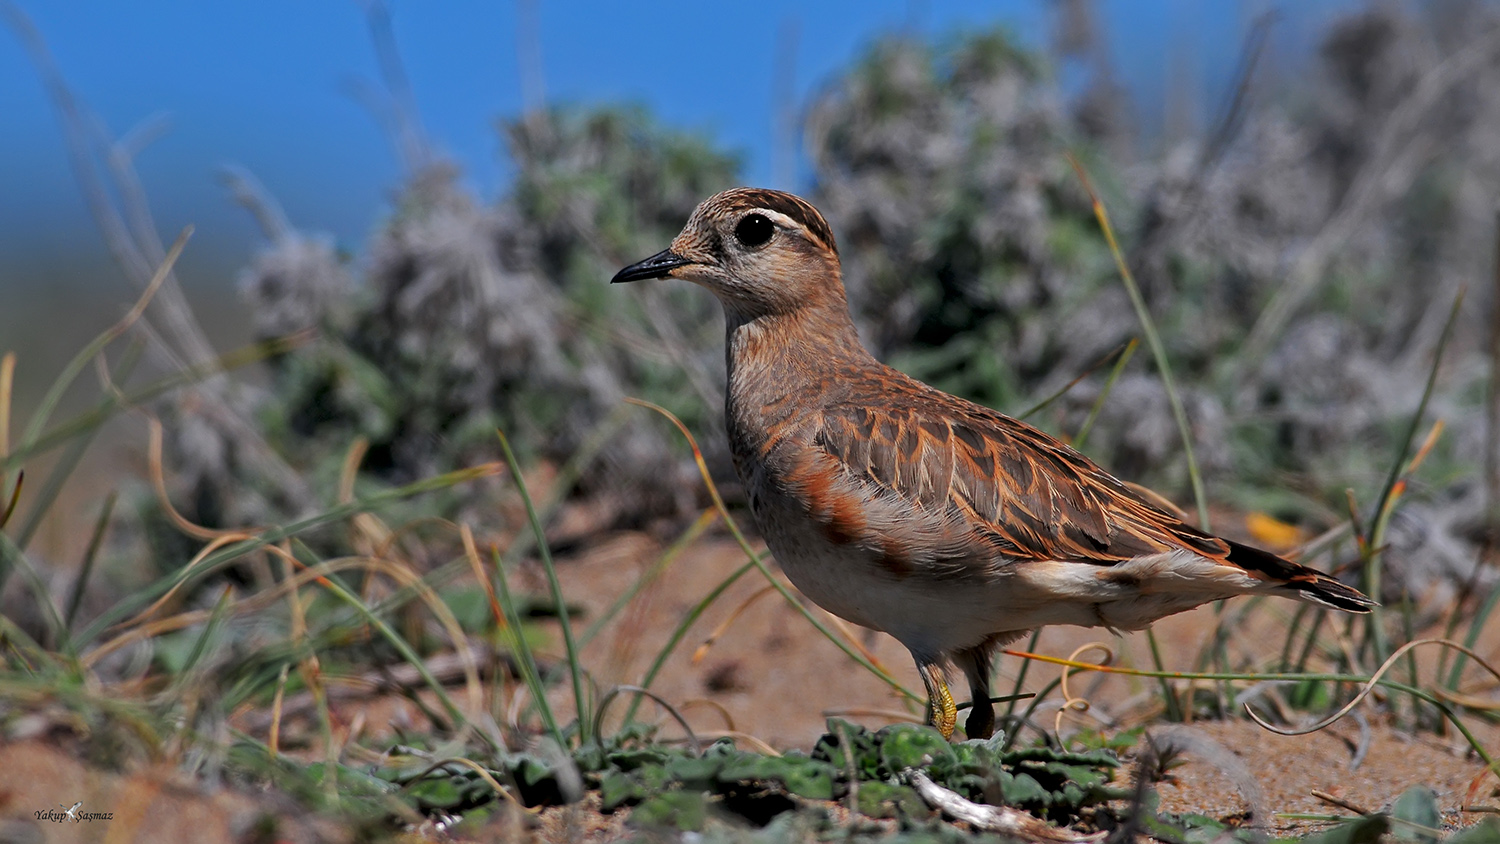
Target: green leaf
531, 770
809, 778
1020, 789
1089, 758
905, 746
443, 793
1362, 830
617, 789
685, 810
695, 772
862, 752
752, 766
629, 760
1486, 831
1417, 806
884, 800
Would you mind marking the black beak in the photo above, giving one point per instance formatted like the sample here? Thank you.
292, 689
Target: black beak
657, 266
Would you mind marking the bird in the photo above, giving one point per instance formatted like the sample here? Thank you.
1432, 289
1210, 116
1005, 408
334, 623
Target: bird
950, 526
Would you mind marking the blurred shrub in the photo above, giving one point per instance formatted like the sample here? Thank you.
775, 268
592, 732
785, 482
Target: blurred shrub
1299, 257
468, 316
968, 244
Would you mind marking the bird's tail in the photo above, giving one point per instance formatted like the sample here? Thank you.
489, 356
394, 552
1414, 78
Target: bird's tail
1301, 582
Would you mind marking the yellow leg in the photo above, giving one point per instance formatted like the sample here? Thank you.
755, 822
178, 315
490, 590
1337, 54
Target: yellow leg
941, 712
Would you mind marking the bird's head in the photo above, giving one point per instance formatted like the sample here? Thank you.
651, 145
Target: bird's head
760, 251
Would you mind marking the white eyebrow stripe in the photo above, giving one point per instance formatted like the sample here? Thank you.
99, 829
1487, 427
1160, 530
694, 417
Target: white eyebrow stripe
780, 219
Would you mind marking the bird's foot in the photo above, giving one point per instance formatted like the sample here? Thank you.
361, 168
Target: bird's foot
941, 711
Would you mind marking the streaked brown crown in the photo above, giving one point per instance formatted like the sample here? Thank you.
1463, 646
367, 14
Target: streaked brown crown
795, 207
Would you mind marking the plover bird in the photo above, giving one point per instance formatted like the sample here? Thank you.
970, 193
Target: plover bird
952, 527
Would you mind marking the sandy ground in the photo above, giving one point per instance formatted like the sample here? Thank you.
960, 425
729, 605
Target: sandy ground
772, 676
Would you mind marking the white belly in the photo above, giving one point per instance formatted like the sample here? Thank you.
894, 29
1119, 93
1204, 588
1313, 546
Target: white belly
937, 613
927, 614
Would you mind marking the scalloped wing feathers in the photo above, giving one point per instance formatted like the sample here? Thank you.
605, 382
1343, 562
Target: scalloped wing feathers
985, 482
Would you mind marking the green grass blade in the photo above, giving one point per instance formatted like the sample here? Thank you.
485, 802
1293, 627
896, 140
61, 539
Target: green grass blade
75, 366
675, 639
689, 536
574, 668
525, 659
202, 645
567, 476
13, 501
1285, 663
1010, 706
1123, 351
51, 488
85, 571
13, 558
1174, 708
1010, 737
1109, 386
143, 597
1476, 624
404, 648
1153, 339
112, 404
1389, 492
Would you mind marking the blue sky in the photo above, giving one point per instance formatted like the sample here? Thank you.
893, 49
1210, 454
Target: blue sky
265, 85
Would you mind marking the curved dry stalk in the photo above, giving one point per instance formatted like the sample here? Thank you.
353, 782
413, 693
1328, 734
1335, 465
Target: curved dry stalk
757, 744
471, 552
103, 339
377, 536
166, 598
309, 668
7, 389
146, 630
1072, 703
1467, 701
734, 615
615, 692
1368, 687
295, 610
159, 484
862, 712
411, 580
273, 741
400, 532
483, 774
350, 468
715, 706
1288, 677
139, 629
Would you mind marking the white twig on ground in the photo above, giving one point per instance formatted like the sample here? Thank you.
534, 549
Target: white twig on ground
1001, 819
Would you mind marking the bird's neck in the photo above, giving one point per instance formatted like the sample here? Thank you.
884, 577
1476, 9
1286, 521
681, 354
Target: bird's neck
803, 342
809, 355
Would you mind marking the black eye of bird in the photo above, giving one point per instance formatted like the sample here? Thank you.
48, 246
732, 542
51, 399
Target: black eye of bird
754, 230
